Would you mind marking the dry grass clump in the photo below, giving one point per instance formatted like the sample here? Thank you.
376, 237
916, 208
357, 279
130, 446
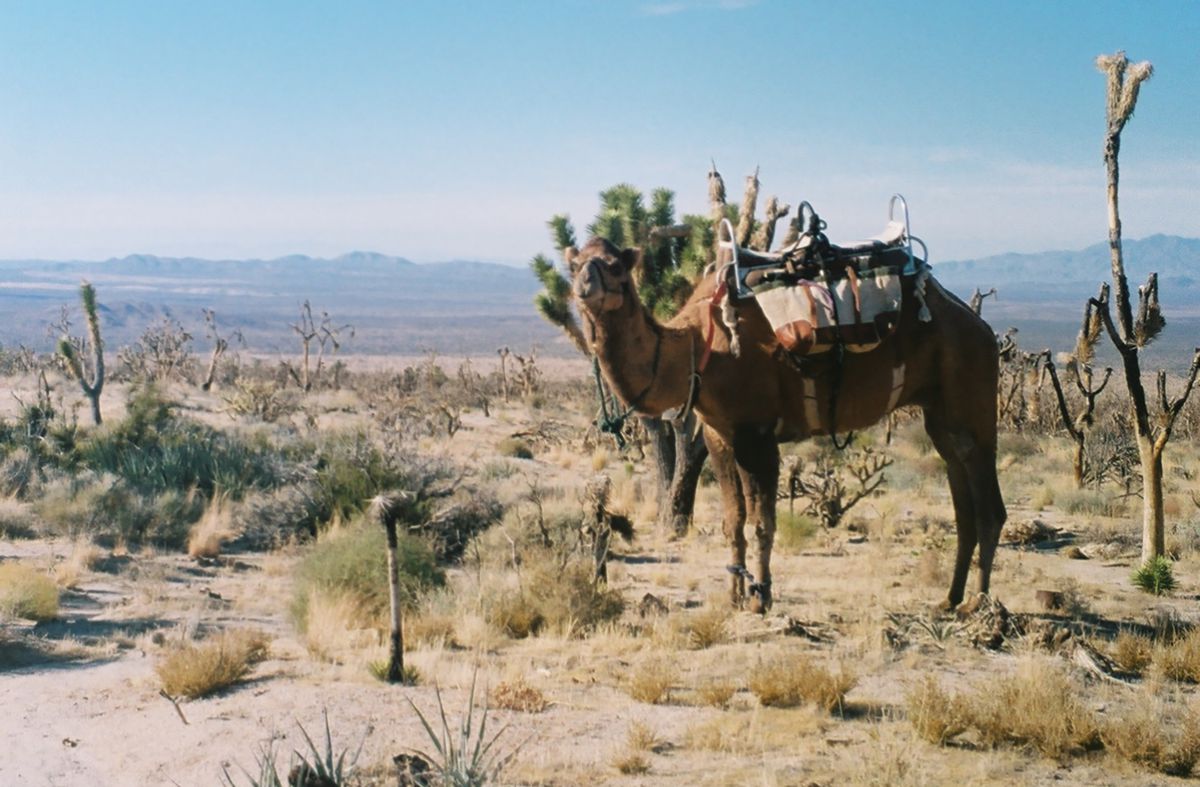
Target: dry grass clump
1036, 707
27, 593
935, 714
710, 626
632, 763
336, 624
429, 628
1179, 659
756, 731
651, 681
196, 670
716, 692
1152, 736
212, 530
519, 696
783, 682
643, 738
83, 558
1132, 653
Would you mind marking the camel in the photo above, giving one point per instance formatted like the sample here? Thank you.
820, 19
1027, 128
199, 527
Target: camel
752, 400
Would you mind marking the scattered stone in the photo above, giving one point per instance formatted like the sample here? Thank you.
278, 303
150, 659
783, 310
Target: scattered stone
413, 770
856, 538
1075, 553
652, 606
1050, 599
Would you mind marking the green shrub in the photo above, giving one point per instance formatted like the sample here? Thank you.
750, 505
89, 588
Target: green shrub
154, 450
1155, 576
565, 599
793, 531
354, 563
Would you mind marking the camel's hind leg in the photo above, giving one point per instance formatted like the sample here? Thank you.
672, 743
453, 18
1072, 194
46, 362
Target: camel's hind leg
733, 507
970, 457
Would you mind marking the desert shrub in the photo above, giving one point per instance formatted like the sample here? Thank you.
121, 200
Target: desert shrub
197, 669
651, 680
1090, 502
153, 450
1154, 576
266, 520
1132, 653
102, 507
19, 472
17, 519
1017, 445
1151, 735
261, 400
27, 593
519, 696
1179, 659
515, 448
174, 512
354, 563
794, 532
785, 682
565, 599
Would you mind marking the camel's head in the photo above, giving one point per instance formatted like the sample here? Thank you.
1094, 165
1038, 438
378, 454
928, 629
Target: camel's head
602, 275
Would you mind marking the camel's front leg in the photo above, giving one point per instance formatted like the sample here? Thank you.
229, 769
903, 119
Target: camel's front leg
733, 507
757, 454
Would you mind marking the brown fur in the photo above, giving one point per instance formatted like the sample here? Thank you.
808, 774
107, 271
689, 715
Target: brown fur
750, 403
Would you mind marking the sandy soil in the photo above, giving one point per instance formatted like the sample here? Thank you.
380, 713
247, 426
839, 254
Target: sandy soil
82, 703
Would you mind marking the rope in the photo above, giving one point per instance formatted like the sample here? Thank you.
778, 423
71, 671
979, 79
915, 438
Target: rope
613, 424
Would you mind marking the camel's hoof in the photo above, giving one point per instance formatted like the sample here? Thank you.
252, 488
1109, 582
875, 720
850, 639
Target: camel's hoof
943, 607
760, 603
971, 605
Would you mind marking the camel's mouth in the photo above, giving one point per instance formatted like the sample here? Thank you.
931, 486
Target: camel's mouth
600, 285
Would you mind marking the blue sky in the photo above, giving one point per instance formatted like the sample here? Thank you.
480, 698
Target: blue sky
447, 130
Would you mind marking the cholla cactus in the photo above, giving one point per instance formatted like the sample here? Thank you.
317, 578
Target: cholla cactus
93, 385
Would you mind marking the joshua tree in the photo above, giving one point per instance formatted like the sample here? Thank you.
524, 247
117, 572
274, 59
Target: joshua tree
828, 485
1079, 366
325, 333
1129, 334
90, 381
220, 345
388, 509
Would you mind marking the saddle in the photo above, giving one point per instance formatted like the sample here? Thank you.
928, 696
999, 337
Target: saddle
817, 295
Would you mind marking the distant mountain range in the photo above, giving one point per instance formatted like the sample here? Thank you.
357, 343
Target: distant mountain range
1043, 294
462, 307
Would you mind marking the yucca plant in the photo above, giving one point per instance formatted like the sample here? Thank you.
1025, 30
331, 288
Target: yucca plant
323, 770
464, 757
1155, 576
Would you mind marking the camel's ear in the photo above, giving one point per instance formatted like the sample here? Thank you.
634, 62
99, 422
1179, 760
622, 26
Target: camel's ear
630, 258
571, 255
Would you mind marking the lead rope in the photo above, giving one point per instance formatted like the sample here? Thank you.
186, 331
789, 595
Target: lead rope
613, 424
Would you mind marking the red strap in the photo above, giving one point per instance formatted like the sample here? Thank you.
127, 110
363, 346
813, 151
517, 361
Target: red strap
718, 293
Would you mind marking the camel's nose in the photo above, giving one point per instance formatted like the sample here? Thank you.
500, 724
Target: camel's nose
585, 285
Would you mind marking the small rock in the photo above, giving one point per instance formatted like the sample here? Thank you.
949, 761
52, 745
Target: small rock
1074, 553
857, 538
651, 606
1050, 599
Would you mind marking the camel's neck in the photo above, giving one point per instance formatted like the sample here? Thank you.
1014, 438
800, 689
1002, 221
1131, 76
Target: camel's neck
648, 364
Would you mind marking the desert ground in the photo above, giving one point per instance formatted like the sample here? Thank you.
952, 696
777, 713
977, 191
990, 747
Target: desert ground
852, 677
